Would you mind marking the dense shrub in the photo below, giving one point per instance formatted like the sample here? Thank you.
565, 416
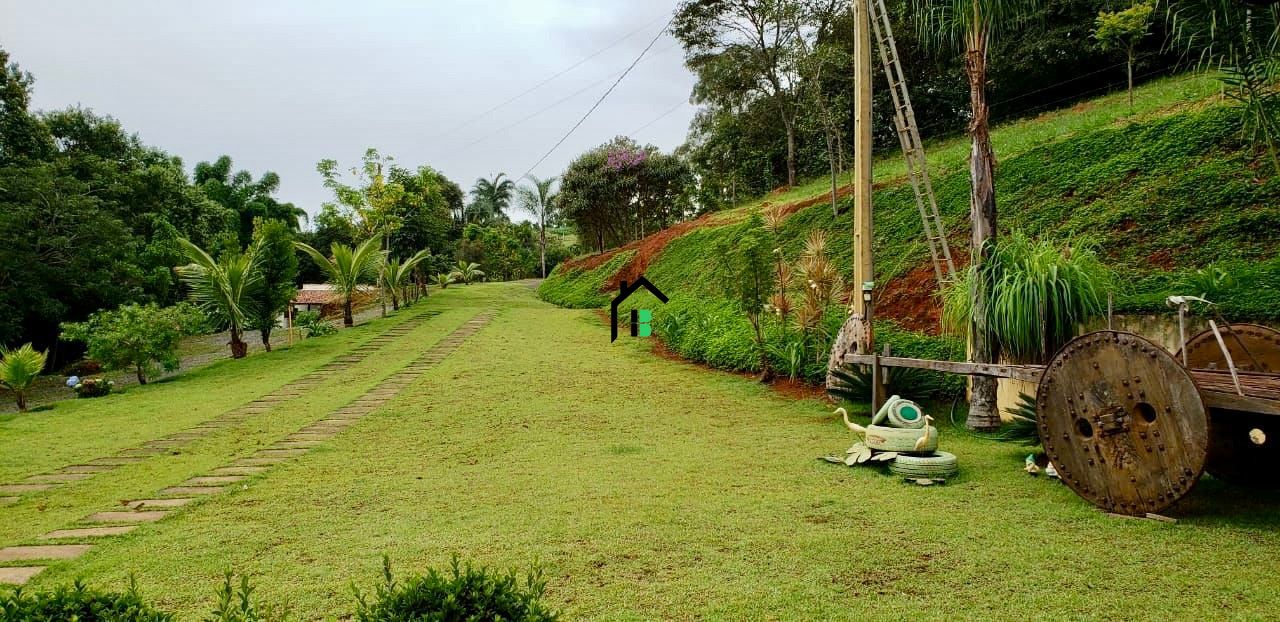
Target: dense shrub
137, 337
313, 324
93, 387
80, 603
464, 593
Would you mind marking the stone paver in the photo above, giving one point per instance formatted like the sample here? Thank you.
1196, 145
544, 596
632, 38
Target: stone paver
88, 532
117, 460
58, 478
21, 488
191, 490
43, 551
284, 453
126, 517
238, 470
257, 461
19, 575
140, 504
87, 468
214, 479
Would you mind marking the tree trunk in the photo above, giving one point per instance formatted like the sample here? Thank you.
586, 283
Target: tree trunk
983, 411
831, 160
382, 276
21, 397
347, 319
395, 300
239, 349
542, 244
140, 373
266, 337
1129, 65
791, 153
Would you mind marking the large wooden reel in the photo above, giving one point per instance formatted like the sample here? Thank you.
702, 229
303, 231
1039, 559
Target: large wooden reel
1244, 448
1123, 422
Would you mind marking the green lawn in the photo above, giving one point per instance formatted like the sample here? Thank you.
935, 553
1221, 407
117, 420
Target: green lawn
647, 488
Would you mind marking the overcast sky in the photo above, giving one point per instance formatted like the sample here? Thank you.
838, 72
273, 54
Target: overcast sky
279, 85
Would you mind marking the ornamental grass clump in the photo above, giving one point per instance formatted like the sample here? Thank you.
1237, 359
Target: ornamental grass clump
1041, 293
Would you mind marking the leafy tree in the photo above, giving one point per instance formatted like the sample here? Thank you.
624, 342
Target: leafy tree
540, 201
138, 337
747, 277
19, 369
372, 200
971, 25
1124, 30
223, 288
251, 200
347, 269
277, 264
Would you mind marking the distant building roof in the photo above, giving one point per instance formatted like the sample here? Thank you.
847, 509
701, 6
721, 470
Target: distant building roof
314, 297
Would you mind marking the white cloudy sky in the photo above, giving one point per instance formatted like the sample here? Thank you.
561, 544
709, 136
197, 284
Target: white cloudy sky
281, 84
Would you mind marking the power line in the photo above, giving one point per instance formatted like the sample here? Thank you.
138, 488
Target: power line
660, 117
602, 98
545, 81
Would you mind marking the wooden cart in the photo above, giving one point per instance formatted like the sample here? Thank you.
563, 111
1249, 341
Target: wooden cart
1131, 428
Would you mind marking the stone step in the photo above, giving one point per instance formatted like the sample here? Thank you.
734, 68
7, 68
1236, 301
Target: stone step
58, 478
144, 516
214, 480
43, 551
178, 491
237, 470
116, 460
87, 468
144, 504
19, 575
88, 532
21, 488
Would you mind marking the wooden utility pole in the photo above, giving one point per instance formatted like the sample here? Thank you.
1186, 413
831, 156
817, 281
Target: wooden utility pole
863, 259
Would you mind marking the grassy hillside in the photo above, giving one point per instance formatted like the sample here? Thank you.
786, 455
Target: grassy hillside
1174, 200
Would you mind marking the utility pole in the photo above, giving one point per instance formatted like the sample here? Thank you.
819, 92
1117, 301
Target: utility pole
863, 259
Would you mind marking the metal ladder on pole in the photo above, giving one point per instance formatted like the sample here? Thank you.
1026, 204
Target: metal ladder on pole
904, 118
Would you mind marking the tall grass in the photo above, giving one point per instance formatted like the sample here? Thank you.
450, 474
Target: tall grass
1041, 292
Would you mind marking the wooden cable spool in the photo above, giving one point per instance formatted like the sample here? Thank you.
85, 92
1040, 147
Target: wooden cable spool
1244, 447
1123, 422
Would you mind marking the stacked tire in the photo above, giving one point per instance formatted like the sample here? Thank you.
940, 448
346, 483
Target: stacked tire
900, 426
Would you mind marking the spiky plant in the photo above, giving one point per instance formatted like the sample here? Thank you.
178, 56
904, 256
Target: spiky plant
442, 280
1041, 292
223, 288
19, 369
1020, 424
466, 272
396, 274
347, 269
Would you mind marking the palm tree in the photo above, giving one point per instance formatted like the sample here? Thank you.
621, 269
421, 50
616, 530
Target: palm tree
19, 369
443, 280
970, 25
396, 273
347, 269
222, 287
541, 201
492, 196
465, 272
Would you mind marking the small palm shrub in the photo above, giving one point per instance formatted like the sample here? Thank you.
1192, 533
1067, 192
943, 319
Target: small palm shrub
463, 593
80, 603
313, 324
1040, 294
442, 280
466, 272
19, 369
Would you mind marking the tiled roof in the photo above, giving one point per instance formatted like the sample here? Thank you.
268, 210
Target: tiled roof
313, 297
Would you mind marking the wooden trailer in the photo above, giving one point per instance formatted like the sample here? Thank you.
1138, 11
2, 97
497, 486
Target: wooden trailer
1131, 427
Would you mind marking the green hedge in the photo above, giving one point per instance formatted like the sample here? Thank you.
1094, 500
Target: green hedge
580, 289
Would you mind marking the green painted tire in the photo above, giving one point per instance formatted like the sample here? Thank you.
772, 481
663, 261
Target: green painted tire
939, 465
884, 438
906, 414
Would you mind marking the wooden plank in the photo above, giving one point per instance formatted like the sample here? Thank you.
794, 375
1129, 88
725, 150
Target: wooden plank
1029, 373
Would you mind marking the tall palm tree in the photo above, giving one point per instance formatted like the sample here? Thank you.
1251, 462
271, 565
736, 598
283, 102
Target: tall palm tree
492, 196
223, 287
397, 272
347, 268
970, 25
19, 369
541, 201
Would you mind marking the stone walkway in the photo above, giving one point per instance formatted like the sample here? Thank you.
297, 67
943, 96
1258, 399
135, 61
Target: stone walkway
10, 493
69, 543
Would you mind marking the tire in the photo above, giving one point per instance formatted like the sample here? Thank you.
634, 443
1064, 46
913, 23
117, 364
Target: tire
907, 415
885, 438
939, 465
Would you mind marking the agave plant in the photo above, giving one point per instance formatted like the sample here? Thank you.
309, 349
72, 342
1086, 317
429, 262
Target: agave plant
347, 269
443, 280
396, 274
19, 369
222, 288
466, 272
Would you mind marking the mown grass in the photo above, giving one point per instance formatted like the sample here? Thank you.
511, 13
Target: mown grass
652, 489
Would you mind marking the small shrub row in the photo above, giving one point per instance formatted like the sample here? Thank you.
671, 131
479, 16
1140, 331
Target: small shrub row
463, 593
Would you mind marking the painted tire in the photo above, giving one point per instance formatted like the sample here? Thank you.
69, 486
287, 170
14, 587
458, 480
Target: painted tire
939, 465
885, 438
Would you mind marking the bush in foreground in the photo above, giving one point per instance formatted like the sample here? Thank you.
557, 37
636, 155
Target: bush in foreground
464, 593
80, 603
